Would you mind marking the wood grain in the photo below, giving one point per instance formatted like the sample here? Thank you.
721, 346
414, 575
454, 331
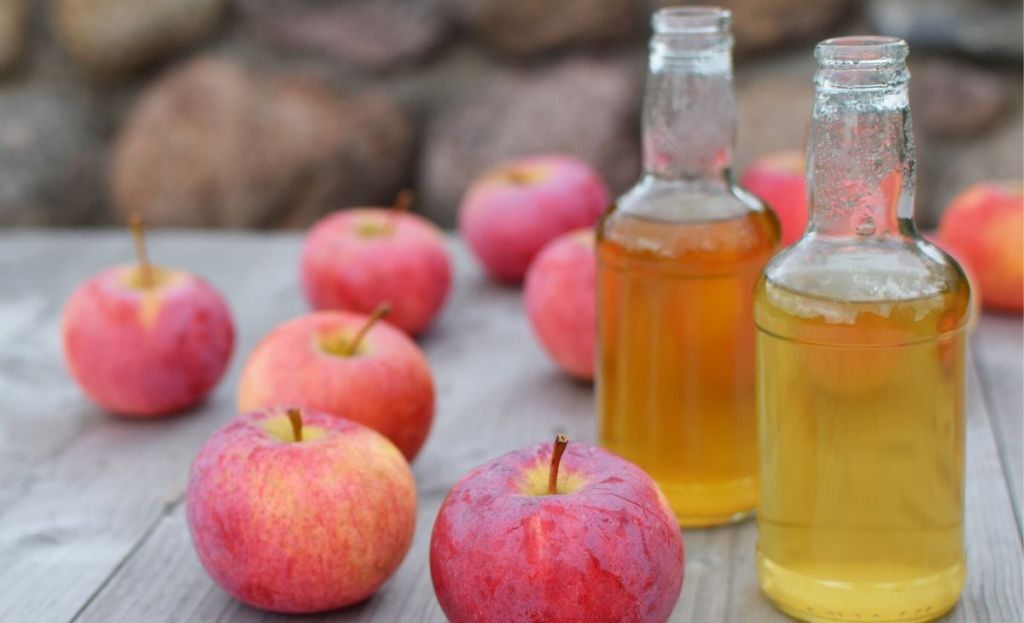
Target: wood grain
91, 519
997, 348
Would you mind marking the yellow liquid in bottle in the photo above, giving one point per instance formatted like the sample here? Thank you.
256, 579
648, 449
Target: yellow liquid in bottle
676, 362
861, 419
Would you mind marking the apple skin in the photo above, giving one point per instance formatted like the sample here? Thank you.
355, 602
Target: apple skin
609, 550
560, 294
513, 210
388, 386
354, 260
780, 181
300, 527
146, 352
981, 227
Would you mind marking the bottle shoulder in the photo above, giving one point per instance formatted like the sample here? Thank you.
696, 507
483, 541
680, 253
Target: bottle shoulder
842, 281
683, 223
717, 213
690, 201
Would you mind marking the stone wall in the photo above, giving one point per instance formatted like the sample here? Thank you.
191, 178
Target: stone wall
267, 113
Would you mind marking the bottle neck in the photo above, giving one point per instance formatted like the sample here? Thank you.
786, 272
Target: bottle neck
861, 167
689, 119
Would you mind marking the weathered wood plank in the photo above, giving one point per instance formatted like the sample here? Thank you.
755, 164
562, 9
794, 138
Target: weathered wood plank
97, 532
96, 493
994, 553
997, 347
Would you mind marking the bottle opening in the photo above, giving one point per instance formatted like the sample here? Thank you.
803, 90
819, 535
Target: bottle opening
865, 51
691, 20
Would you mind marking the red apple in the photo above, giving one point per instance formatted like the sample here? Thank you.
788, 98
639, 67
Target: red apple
144, 341
600, 546
354, 260
344, 364
300, 511
983, 228
561, 301
513, 210
778, 178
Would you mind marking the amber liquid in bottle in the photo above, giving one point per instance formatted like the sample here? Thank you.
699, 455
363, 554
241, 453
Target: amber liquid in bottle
678, 259
860, 365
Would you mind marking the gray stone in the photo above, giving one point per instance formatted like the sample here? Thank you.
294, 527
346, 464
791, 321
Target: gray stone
213, 144
774, 101
117, 36
541, 25
51, 157
956, 99
762, 24
369, 34
583, 107
980, 27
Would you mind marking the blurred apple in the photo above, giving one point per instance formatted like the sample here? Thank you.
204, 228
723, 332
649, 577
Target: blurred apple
561, 300
144, 340
354, 260
983, 228
778, 179
513, 210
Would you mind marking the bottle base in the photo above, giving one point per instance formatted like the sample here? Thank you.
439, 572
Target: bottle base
706, 505
812, 598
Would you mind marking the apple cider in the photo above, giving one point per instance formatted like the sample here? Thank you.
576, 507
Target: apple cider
678, 258
676, 393
861, 331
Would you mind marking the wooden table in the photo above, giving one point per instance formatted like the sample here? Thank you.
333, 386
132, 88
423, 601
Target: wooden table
92, 523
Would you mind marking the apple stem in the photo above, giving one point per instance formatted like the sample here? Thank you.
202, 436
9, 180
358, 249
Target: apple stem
561, 441
382, 310
403, 201
139, 236
295, 416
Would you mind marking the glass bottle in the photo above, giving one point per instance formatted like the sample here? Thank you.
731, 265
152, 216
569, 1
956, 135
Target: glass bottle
678, 257
861, 329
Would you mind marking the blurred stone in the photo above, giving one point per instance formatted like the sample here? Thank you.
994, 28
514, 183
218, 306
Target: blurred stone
51, 157
13, 32
211, 144
117, 36
542, 25
585, 108
956, 99
761, 24
369, 34
950, 167
981, 27
773, 108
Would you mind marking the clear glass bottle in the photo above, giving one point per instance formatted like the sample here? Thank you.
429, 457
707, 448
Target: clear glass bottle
860, 370
678, 258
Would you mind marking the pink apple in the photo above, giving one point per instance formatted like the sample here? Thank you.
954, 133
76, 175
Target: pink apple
300, 511
144, 341
344, 364
354, 260
561, 300
982, 228
601, 546
778, 178
513, 210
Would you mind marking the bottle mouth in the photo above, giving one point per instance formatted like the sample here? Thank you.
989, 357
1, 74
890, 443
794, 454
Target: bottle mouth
691, 32
862, 51
691, 20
